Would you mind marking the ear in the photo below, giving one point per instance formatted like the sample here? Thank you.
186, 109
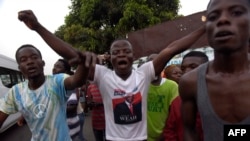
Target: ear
18, 67
43, 63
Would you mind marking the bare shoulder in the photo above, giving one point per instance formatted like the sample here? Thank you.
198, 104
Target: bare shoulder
188, 84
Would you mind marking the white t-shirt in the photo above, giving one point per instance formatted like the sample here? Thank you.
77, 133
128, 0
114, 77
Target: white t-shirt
120, 123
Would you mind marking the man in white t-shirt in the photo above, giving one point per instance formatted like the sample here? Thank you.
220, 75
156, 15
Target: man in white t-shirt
123, 80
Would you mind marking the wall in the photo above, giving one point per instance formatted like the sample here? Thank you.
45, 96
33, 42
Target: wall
154, 39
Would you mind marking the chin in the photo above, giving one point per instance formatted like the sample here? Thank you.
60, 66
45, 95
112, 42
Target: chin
33, 76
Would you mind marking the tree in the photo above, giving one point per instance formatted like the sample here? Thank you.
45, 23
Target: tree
93, 24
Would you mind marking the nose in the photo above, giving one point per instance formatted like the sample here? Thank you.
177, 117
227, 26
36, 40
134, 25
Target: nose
223, 19
30, 61
121, 53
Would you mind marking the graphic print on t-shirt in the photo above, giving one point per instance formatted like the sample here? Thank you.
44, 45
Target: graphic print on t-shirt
127, 109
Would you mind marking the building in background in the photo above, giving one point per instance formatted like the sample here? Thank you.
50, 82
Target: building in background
155, 38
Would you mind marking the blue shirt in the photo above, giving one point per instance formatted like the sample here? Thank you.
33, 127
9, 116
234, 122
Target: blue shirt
44, 109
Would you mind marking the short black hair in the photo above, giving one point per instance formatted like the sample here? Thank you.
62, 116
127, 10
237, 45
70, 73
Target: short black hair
197, 54
120, 39
26, 46
211, 1
66, 66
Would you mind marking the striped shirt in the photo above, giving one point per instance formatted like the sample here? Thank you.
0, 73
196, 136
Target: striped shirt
72, 118
98, 118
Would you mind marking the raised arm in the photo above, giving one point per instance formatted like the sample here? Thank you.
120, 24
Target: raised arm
175, 48
59, 46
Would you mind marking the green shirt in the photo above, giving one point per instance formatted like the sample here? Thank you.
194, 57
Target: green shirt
159, 101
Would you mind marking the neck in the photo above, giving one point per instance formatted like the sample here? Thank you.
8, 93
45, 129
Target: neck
35, 83
124, 76
231, 62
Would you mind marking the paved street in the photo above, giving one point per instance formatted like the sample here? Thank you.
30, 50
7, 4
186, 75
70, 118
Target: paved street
88, 131
17, 133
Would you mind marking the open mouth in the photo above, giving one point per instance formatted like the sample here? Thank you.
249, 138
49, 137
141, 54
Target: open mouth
223, 34
122, 62
31, 69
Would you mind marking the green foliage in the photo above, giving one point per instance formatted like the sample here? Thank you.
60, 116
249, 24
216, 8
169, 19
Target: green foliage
93, 24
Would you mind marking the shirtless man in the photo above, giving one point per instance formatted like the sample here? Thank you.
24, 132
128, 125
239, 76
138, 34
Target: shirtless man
220, 88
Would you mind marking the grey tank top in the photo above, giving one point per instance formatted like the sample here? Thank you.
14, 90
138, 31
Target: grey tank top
212, 124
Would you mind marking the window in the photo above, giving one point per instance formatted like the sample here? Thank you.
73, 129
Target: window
10, 77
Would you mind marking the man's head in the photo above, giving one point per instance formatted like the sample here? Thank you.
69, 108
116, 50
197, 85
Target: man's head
227, 24
173, 72
192, 60
30, 61
62, 66
121, 54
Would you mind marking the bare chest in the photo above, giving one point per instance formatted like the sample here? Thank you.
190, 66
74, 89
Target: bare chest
230, 97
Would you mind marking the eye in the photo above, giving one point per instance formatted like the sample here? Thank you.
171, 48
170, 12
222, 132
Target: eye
193, 66
128, 51
236, 13
115, 52
23, 59
212, 16
34, 57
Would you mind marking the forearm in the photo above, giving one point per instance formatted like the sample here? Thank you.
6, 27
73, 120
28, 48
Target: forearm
186, 42
78, 79
81, 74
176, 47
58, 45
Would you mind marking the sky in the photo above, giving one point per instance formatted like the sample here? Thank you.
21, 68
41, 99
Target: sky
50, 13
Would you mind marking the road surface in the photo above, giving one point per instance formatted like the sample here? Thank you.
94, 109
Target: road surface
17, 133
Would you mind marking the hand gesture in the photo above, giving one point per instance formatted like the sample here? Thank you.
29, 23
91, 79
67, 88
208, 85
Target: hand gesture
89, 59
29, 18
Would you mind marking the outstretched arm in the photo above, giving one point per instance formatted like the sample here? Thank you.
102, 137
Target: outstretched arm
175, 48
59, 46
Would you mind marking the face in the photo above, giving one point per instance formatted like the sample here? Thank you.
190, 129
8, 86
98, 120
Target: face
227, 24
30, 62
58, 68
175, 74
129, 98
190, 63
122, 57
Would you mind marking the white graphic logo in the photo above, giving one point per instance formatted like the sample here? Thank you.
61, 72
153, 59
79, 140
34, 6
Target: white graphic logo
39, 110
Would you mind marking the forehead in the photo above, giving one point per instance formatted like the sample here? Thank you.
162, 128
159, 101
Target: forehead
120, 44
220, 4
176, 68
27, 51
192, 60
59, 63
